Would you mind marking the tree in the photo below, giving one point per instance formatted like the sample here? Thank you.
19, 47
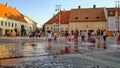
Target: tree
23, 31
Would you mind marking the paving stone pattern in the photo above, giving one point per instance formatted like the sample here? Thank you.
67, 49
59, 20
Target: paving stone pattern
85, 60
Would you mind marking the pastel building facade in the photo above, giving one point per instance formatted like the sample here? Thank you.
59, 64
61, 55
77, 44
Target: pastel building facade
87, 19
62, 27
11, 19
81, 19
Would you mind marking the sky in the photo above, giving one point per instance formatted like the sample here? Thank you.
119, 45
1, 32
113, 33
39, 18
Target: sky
42, 10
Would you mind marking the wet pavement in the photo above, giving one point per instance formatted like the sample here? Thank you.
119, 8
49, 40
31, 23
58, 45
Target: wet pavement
33, 53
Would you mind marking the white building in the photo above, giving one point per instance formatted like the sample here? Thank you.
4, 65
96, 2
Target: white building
11, 19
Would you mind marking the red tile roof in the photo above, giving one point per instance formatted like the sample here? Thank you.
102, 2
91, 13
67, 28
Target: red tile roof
87, 14
111, 11
11, 13
64, 16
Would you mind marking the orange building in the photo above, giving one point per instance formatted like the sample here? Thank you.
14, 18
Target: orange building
51, 24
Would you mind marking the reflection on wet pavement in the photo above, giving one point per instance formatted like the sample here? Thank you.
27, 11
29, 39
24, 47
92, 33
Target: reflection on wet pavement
33, 55
21, 49
11, 52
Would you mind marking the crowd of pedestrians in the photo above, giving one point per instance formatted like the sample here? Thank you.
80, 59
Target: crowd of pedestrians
36, 34
11, 33
90, 37
83, 37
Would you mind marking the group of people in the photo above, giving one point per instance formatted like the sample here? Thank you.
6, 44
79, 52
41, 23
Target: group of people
90, 37
34, 34
11, 33
68, 38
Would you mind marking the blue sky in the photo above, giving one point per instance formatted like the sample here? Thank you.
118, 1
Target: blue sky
42, 10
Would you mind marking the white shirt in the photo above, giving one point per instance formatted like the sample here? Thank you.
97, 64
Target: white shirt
49, 35
104, 33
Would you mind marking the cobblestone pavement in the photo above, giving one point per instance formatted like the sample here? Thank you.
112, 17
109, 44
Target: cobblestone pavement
36, 57
106, 59
109, 40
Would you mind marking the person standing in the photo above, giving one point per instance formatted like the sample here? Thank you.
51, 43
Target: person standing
76, 37
83, 36
49, 40
118, 40
76, 48
104, 35
55, 36
13, 34
66, 35
104, 38
10, 33
89, 34
86, 36
69, 47
69, 39
116, 37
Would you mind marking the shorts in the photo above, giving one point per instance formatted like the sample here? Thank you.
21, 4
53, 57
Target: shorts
104, 38
69, 39
49, 39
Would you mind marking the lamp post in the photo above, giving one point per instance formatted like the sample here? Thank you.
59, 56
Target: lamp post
58, 9
117, 14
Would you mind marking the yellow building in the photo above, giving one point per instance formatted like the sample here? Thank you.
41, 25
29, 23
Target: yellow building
81, 19
87, 19
11, 18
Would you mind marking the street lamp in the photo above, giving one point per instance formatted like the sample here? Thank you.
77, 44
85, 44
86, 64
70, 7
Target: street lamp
58, 9
117, 13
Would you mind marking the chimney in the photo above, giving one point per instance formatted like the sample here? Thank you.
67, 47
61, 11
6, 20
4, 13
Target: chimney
63, 10
79, 7
94, 6
53, 14
14, 7
6, 4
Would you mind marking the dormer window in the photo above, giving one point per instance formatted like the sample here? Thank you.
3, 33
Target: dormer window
76, 18
97, 17
111, 13
5, 14
86, 17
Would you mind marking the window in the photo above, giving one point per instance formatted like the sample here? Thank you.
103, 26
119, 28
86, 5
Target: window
86, 26
8, 23
76, 18
97, 25
86, 17
1, 23
15, 25
5, 14
97, 17
12, 25
5, 23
